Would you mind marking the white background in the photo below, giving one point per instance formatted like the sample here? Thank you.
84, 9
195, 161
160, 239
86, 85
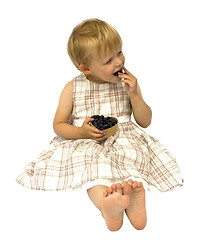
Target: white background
165, 48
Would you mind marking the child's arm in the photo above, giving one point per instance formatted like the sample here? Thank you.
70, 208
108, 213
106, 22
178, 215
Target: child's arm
61, 124
142, 112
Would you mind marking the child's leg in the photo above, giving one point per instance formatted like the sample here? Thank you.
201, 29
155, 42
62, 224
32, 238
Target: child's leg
136, 211
111, 202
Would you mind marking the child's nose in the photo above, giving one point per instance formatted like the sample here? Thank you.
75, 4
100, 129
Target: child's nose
118, 62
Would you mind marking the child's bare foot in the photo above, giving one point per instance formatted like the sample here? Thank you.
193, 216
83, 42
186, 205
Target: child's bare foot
116, 200
136, 211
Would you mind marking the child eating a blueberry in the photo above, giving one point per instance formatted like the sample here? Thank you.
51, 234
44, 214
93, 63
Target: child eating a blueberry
116, 170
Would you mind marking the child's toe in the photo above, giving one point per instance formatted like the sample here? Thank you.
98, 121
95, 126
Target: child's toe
118, 188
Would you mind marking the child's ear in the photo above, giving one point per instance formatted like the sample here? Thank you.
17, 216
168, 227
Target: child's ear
84, 69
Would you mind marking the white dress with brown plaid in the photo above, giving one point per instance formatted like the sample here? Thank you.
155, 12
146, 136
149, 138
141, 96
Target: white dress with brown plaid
130, 153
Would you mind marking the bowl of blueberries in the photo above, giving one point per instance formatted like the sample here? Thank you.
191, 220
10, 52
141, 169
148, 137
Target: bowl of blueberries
109, 125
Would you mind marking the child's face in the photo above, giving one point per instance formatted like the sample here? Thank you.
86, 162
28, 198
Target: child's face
103, 66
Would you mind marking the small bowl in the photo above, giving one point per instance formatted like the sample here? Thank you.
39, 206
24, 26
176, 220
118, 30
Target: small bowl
110, 131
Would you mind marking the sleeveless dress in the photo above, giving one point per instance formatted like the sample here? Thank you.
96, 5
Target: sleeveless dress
130, 153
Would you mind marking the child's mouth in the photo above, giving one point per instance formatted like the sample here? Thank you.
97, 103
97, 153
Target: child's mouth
117, 72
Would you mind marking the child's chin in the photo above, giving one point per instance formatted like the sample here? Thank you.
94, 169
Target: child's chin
116, 79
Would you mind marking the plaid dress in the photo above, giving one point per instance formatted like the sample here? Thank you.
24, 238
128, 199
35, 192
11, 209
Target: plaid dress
130, 153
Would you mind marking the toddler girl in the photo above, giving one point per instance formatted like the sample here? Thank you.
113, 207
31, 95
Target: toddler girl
113, 170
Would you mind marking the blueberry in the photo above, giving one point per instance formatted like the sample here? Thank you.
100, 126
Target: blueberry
103, 123
105, 126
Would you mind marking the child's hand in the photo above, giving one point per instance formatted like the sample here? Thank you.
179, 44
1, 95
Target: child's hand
90, 132
130, 82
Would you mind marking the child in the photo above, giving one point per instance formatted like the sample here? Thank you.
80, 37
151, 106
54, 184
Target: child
114, 170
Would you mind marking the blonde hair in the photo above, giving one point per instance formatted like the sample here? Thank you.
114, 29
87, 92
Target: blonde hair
89, 35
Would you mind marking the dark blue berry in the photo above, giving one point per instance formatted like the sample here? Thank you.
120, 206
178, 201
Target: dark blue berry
103, 123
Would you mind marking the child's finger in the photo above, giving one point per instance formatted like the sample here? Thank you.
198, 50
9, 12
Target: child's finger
124, 75
100, 139
126, 71
96, 130
129, 82
89, 119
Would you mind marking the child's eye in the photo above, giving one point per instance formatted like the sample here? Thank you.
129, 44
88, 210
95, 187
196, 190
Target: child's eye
108, 61
120, 52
